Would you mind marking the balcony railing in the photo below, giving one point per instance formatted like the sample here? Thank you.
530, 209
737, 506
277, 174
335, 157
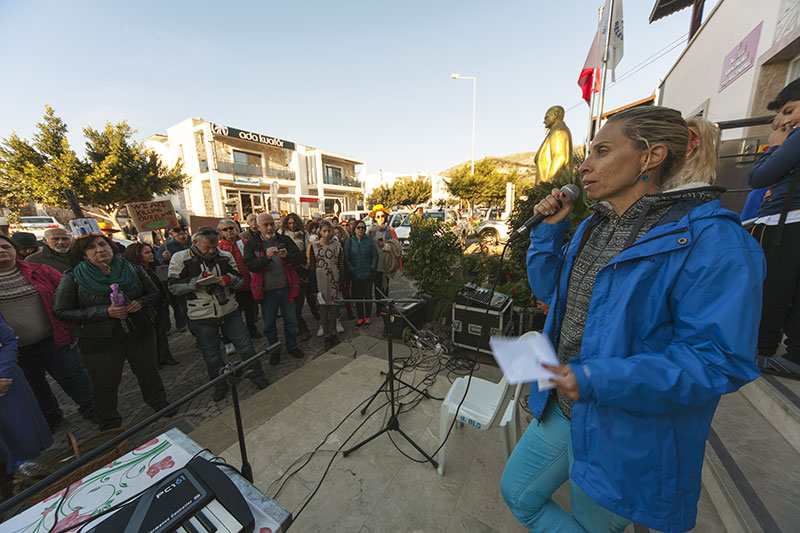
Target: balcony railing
347, 181
243, 169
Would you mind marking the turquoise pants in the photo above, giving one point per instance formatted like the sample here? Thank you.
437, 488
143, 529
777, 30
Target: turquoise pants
539, 465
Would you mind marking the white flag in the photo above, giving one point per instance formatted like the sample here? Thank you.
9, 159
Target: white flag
615, 47
589, 79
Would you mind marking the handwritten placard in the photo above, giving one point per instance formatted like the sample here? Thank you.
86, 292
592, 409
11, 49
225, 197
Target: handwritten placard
150, 216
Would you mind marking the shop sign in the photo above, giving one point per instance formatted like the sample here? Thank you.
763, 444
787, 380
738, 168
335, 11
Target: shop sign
309, 199
227, 131
740, 59
243, 180
150, 216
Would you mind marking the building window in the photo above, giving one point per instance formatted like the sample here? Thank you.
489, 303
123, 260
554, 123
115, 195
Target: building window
333, 172
246, 158
794, 70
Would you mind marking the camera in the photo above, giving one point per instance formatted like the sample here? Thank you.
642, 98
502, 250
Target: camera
218, 292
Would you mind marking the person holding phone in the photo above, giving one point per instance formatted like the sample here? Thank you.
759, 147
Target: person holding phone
272, 259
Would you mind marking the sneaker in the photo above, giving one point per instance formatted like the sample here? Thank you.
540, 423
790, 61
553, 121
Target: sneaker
778, 366
328, 343
339, 326
367, 322
320, 333
255, 333
230, 348
360, 322
297, 352
274, 358
335, 340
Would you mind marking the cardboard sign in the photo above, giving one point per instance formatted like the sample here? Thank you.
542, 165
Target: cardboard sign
149, 216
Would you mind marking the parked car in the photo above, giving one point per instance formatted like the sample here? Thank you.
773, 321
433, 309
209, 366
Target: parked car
36, 225
493, 231
400, 222
356, 215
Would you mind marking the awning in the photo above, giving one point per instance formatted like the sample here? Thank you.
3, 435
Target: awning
664, 8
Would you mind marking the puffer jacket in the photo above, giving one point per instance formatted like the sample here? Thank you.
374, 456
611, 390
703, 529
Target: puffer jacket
236, 249
88, 313
361, 257
672, 325
186, 268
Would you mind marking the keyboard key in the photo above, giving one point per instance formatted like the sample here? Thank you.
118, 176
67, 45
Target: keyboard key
206, 522
224, 517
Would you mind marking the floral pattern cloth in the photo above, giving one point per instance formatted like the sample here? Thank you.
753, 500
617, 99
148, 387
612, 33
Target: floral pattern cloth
101, 489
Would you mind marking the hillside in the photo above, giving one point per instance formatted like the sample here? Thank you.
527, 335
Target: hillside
522, 162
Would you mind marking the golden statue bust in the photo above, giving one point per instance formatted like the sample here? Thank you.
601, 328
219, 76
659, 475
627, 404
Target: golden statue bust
556, 150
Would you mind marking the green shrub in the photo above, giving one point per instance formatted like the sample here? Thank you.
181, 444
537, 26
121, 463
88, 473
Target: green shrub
430, 260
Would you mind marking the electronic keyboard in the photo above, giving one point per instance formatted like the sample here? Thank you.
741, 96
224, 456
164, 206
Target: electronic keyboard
198, 498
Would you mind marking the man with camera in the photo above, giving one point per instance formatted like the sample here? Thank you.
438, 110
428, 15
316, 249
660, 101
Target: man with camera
207, 277
271, 259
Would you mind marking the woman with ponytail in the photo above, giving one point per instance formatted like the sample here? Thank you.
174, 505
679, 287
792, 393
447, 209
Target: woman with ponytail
654, 307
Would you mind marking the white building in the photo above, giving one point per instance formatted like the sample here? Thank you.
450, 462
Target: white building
239, 172
439, 191
740, 58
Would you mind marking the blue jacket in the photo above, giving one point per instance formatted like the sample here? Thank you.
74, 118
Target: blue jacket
24, 433
672, 325
361, 257
775, 170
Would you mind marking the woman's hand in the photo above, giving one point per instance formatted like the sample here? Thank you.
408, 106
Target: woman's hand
556, 206
5, 384
565, 381
134, 306
117, 312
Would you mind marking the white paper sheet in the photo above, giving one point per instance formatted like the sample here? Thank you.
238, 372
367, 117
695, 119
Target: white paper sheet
521, 358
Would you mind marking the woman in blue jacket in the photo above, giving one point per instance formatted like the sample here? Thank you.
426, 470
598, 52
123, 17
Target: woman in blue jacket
361, 259
777, 228
654, 307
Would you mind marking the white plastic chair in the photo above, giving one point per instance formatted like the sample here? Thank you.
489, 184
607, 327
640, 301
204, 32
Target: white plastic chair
487, 406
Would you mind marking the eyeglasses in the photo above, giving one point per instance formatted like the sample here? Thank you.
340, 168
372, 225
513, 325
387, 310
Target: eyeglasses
228, 229
361, 227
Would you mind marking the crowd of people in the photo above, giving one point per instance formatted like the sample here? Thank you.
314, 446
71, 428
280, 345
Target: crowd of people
78, 308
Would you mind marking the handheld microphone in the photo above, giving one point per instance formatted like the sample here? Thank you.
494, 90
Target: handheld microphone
572, 191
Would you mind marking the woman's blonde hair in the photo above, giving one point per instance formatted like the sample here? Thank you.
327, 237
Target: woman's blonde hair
692, 145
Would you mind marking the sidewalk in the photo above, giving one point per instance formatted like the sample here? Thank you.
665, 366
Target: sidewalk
191, 373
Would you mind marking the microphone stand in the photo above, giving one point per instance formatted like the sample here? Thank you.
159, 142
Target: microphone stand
393, 424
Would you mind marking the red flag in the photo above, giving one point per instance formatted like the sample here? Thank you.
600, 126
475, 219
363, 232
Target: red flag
590, 74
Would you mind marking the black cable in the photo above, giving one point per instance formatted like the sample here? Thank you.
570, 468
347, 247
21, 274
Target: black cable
58, 509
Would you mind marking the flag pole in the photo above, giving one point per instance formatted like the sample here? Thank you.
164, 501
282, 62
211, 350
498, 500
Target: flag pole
591, 91
604, 68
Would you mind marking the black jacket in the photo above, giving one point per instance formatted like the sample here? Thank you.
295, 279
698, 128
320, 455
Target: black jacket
257, 264
88, 313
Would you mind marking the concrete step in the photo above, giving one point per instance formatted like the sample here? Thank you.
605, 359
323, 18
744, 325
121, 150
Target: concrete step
778, 400
750, 470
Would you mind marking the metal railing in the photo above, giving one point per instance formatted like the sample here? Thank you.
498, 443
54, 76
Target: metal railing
244, 169
346, 181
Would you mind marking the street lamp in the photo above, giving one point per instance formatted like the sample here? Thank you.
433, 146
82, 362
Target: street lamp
474, 89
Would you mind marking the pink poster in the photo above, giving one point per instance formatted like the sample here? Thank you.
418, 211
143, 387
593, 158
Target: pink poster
740, 59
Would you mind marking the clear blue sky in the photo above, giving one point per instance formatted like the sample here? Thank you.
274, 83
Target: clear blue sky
369, 79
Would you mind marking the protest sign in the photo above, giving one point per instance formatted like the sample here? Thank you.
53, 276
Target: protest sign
150, 216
